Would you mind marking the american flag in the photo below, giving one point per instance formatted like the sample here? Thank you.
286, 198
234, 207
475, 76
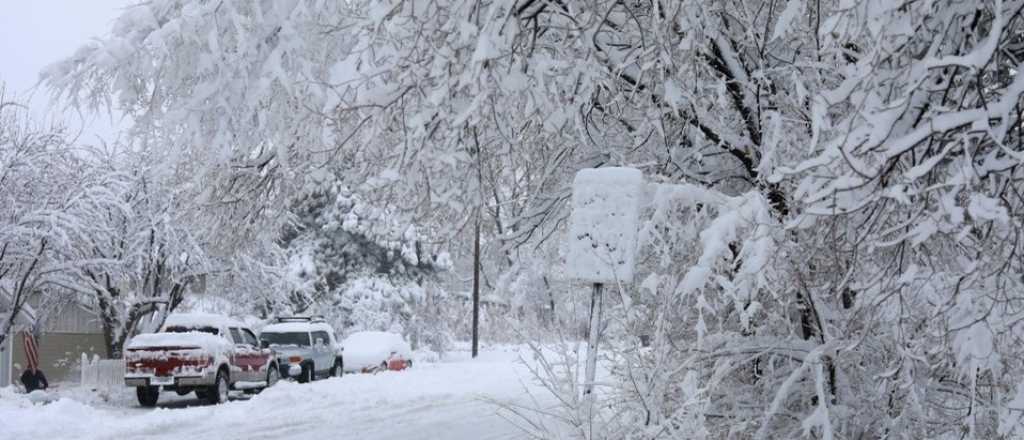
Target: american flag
31, 350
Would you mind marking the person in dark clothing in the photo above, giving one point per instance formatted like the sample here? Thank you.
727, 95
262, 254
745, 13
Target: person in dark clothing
33, 379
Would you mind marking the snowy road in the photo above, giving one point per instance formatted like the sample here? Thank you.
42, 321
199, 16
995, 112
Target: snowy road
432, 401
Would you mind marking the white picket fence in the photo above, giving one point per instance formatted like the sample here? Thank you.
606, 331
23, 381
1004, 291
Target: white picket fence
102, 373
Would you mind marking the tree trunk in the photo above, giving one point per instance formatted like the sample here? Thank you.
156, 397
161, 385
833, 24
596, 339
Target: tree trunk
108, 322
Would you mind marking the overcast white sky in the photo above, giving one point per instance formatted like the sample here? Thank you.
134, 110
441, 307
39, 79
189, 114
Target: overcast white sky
35, 33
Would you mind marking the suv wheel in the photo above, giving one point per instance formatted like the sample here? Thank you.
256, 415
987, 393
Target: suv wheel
338, 369
147, 396
218, 393
273, 375
308, 373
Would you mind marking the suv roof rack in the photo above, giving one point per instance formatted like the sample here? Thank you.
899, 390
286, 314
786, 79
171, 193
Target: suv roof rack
311, 319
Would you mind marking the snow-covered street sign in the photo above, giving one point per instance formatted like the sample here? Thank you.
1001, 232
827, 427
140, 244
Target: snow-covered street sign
602, 242
603, 224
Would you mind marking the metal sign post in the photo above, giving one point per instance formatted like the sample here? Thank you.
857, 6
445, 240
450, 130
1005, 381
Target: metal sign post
593, 339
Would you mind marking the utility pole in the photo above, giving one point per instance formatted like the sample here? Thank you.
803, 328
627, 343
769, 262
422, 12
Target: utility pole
476, 288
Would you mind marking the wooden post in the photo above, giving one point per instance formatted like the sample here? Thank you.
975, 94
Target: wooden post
476, 289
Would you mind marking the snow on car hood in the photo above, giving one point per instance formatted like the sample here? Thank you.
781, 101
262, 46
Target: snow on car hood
369, 349
205, 341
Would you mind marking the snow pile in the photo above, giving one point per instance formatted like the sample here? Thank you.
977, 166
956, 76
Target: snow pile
603, 226
42, 397
120, 396
369, 349
425, 355
117, 396
10, 392
21, 413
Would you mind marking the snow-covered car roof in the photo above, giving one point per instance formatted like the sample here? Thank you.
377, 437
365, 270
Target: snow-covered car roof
193, 320
292, 327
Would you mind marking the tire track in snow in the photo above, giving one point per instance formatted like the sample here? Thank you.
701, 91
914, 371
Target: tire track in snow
441, 401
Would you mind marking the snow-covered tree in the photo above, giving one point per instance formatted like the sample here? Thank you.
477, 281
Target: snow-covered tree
839, 222
355, 261
52, 202
152, 252
337, 236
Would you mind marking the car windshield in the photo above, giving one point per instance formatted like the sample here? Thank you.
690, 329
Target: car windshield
290, 338
185, 329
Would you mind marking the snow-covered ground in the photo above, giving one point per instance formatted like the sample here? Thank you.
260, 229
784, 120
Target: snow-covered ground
446, 400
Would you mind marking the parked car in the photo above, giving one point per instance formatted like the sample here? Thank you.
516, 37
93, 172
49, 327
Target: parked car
374, 351
198, 352
306, 347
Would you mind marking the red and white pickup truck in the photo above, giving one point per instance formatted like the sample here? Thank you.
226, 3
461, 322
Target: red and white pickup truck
205, 353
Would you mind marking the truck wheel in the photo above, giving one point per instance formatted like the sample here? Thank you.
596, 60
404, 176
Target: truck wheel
147, 396
338, 369
218, 393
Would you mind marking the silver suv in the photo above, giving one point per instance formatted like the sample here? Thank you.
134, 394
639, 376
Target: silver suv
306, 347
